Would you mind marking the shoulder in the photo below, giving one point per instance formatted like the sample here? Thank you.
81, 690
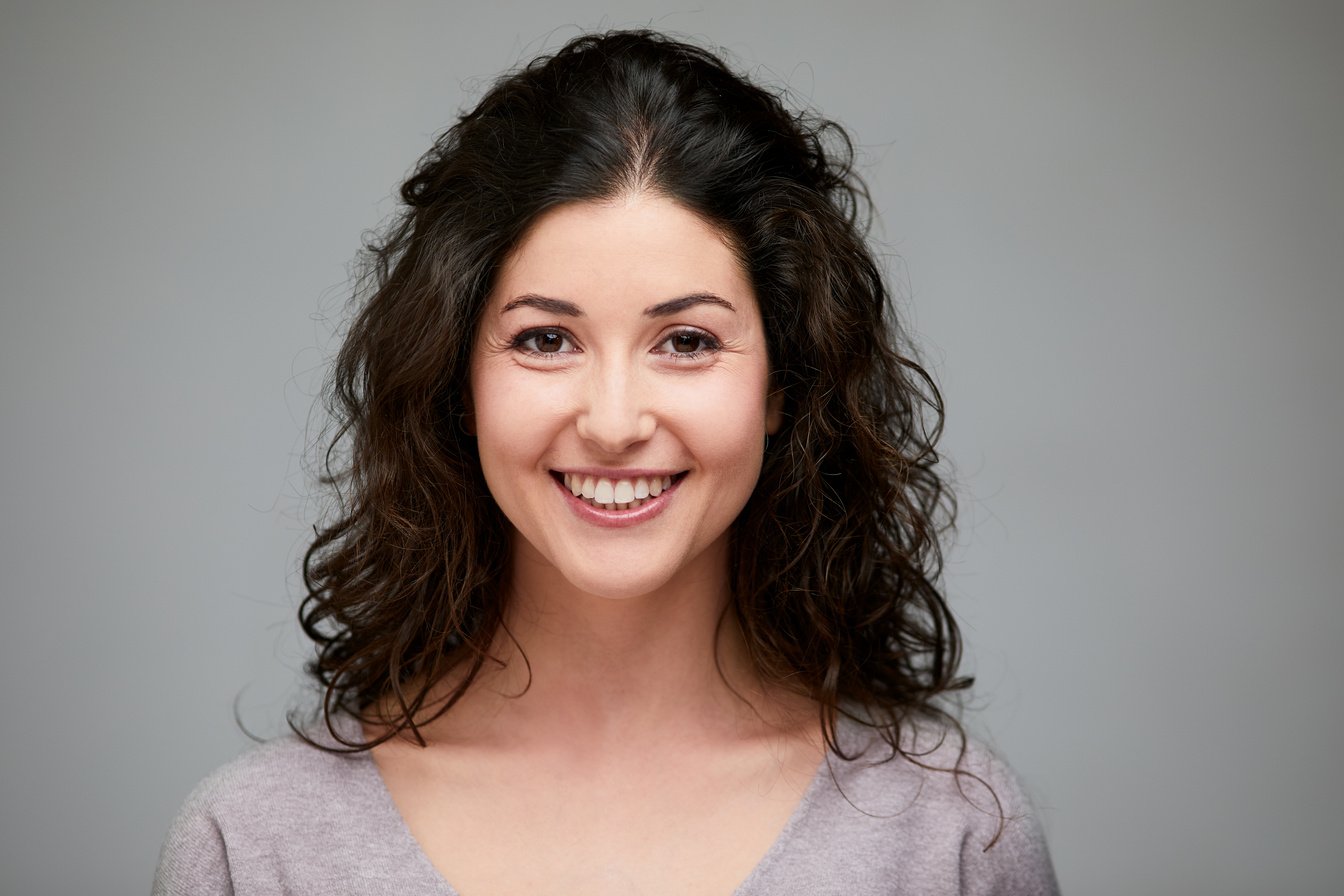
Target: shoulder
279, 775
944, 815
267, 789
270, 810
940, 771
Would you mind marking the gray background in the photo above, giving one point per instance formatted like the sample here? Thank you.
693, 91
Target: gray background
1119, 230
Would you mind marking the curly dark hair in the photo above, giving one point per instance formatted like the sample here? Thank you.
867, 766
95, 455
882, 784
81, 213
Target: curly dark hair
836, 555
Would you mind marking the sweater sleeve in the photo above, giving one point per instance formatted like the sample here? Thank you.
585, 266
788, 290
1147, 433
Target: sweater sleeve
1018, 861
194, 860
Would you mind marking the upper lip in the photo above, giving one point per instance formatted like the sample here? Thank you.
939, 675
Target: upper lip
617, 473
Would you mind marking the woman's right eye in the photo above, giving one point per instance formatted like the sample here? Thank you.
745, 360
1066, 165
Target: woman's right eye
544, 342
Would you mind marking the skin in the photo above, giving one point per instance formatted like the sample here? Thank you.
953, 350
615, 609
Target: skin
634, 750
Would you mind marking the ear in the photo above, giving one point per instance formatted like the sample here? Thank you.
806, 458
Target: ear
774, 411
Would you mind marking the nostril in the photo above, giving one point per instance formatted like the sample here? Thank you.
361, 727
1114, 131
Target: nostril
615, 428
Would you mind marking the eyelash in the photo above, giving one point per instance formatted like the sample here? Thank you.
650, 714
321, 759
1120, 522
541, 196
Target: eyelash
708, 342
521, 340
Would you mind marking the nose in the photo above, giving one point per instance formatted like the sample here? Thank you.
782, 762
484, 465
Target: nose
615, 412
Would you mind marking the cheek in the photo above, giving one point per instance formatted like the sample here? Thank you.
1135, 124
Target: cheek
514, 419
727, 418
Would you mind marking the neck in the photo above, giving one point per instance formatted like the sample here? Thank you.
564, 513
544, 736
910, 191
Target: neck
591, 672
671, 657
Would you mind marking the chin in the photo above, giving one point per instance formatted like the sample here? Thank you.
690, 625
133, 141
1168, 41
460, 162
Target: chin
616, 587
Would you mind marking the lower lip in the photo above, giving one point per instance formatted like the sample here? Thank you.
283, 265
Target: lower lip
616, 519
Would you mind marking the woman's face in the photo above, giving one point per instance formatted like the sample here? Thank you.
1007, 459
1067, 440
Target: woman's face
621, 355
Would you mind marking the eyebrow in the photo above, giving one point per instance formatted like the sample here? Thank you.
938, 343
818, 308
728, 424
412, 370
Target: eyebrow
662, 309
542, 303
672, 306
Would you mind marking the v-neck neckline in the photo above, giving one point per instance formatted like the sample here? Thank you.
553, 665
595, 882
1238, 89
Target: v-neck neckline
393, 819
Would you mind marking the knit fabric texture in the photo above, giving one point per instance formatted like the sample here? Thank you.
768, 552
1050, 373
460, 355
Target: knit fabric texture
287, 818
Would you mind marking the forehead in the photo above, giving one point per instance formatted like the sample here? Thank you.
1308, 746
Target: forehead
642, 247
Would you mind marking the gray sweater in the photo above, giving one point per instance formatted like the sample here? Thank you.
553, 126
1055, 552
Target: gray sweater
286, 818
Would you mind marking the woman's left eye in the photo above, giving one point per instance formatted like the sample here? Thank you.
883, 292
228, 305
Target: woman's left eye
688, 344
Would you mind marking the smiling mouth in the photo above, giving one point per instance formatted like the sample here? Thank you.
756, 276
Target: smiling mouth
616, 494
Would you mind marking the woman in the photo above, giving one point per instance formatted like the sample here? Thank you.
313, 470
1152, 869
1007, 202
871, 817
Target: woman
632, 583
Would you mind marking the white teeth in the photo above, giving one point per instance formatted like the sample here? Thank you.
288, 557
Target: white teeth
619, 494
